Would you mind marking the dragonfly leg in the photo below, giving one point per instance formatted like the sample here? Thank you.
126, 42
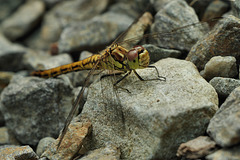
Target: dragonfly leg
127, 74
161, 78
108, 75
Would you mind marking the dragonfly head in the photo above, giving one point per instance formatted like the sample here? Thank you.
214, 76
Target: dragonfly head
138, 58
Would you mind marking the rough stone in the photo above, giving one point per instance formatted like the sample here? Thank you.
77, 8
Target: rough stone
43, 144
224, 126
72, 143
110, 152
23, 20
172, 16
225, 154
11, 55
156, 116
34, 108
17, 153
196, 148
157, 53
223, 40
224, 86
219, 66
6, 137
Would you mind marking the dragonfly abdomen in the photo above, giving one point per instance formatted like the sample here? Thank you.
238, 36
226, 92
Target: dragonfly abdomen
85, 64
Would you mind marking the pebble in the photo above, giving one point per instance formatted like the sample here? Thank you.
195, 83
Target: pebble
224, 126
21, 22
17, 153
39, 103
223, 40
219, 66
224, 86
197, 148
43, 144
225, 154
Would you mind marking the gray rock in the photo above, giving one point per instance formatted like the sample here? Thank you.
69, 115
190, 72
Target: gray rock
17, 153
23, 20
6, 137
224, 86
35, 60
43, 144
157, 53
174, 15
215, 9
224, 126
5, 78
225, 154
34, 108
11, 55
219, 66
197, 148
75, 11
223, 40
236, 8
7, 7
109, 152
93, 33
156, 116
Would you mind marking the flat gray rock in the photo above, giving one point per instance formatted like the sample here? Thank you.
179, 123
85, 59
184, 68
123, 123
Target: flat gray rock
157, 116
34, 108
224, 127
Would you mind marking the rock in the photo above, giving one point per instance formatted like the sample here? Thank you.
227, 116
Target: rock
23, 20
224, 86
197, 148
215, 9
7, 7
86, 35
223, 40
43, 144
11, 55
153, 119
110, 152
6, 137
225, 154
157, 53
5, 78
172, 16
219, 66
75, 11
34, 108
40, 60
224, 126
236, 8
17, 153
74, 140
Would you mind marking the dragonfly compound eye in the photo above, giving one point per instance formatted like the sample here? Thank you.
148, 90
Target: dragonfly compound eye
133, 53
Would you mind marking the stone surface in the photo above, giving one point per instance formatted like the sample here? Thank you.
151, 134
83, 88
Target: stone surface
23, 20
223, 40
56, 20
157, 53
156, 116
11, 55
86, 35
215, 9
35, 60
224, 86
7, 7
73, 142
110, 152
43, 144
225, 154
176, 14
34, 108
17, 153
6, 137
219, 66
5, 78
196, 148
224, 126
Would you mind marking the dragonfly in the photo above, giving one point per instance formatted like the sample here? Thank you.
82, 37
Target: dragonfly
114, 57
